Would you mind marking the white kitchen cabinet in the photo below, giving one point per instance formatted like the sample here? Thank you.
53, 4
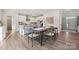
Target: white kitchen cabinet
2, 32
21, 29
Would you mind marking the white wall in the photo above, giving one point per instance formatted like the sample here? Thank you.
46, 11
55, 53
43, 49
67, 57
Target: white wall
46, 12
0, 14
57, 18
14, 15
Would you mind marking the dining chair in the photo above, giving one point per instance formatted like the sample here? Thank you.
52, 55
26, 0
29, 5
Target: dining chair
27, 30
55, 32
34, 35
50, 34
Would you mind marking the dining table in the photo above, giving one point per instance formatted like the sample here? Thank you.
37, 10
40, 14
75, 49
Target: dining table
41, 30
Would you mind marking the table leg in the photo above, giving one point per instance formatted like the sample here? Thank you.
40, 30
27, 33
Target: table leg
41, 40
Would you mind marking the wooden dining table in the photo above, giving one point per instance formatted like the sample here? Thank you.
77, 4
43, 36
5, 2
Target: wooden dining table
41, 31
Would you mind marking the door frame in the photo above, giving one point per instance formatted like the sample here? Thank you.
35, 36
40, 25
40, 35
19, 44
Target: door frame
7, 30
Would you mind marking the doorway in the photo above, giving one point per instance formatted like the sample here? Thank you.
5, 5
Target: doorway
9, 25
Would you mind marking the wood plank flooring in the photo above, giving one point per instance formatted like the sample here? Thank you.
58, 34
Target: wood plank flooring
65, 41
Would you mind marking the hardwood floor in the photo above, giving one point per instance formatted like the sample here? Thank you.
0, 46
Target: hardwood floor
65, 41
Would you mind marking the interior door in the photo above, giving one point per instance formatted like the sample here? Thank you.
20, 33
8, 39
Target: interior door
9, 25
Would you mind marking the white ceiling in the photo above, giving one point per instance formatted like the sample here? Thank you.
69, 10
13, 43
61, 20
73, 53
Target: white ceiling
36, 11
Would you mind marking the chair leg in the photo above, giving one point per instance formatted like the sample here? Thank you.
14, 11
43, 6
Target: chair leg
51, 38
56, 35
28, 40
32, 42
